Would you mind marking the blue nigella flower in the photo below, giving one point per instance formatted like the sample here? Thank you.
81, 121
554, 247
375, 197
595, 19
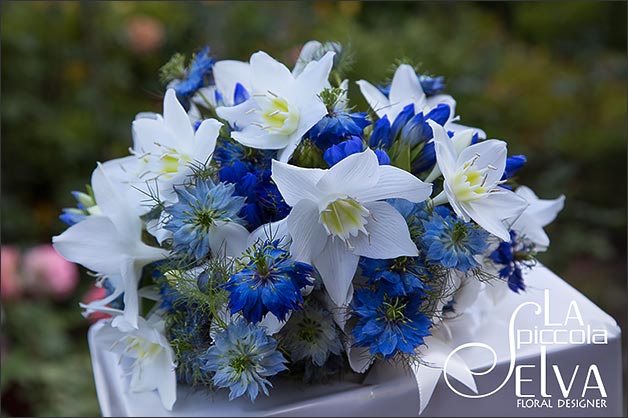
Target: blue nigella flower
414, 214
194, 216
401, 276
269, 282
388, 324
242, 357
84, 202
513, 255
336, 127
450, 241
311, 334
337, 153
197, 75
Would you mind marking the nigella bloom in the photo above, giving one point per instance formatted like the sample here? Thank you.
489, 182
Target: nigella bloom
197, 75
206, 217
311, 334
451, 241
242, 357
389, 324
513, 255
85, 206
401, 275
269, 282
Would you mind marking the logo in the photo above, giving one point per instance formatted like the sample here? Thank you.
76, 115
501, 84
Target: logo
531, 380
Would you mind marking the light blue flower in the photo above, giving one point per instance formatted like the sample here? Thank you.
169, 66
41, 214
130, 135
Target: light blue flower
242, 357
202, 209
452, 242
311, 334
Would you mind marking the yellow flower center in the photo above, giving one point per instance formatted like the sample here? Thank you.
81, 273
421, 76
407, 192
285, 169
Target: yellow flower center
469, 182
344, 218
277, 114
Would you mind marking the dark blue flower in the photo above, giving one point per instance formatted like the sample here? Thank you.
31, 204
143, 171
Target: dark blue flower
337, 153
269, 282
336, 127
197, 75
432, 85
196, 214
388, 324
242, 357
513, 256
401, 276
513, 164
452, 242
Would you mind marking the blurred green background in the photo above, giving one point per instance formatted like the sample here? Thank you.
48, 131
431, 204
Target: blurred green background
549, 78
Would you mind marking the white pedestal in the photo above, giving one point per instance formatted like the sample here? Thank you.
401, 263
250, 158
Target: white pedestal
393, 392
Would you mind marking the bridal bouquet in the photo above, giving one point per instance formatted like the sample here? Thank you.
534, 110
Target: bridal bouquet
262, 227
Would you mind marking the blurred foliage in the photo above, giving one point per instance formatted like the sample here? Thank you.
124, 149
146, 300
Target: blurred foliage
549, 78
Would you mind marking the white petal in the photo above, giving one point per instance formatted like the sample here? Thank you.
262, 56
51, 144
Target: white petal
267, 74
296, 183
359, 358
227, 74
405, 85
353, 175
308, 235
375, 98
149, 132
205, 140
314, 77
462, 139
284, 154
270, 232
94, 243
456, 127
544, 211
271, 324
394, 182
256, 137
228, 238
166, 378
446, 156
114, 206
131, 273
176, 118
337, 267
305, 56
492, 152
239, 116
492, 210
388, 237
531, 228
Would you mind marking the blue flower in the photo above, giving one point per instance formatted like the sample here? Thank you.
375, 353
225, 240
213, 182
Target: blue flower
513, 255
401, 276
337, 153
430, 85
513, 164
197, 75
269, 282
84, 202
414, 214
196, 214
452, 242
311, 334
388, 324
336, 127
242, 357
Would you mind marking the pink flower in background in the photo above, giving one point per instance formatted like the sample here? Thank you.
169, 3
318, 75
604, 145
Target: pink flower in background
10, 281
47, 272
145, 34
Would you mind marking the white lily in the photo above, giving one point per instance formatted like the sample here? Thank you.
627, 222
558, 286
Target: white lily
164, 151
461, 140
405, 89
338, 215
154, 364
471, 183
539, 213
110, 244
282, 107
227, 74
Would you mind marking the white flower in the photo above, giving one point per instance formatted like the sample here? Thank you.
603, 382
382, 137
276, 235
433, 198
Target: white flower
406, 89
165, 149
461, 140
110, 244
538, 214
337, 215
153, 365
282, 107
471, 182
227, 75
